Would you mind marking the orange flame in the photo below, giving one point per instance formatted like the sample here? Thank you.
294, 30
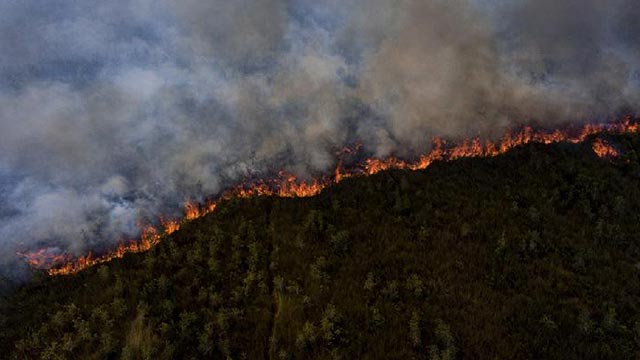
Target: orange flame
170, 226
287, 185
604, 149
192, 210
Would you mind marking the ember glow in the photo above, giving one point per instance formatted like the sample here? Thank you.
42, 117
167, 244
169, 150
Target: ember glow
287, 185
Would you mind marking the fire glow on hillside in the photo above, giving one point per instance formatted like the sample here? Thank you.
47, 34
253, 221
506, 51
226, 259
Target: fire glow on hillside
287, 185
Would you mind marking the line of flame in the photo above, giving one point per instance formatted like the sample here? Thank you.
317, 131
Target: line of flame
287, 185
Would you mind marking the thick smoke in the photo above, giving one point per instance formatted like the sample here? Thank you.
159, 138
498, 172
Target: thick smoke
115, 112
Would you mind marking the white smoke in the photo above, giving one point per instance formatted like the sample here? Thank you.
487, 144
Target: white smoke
118, 111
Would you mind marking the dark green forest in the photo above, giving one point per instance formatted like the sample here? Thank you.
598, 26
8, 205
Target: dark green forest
534, 254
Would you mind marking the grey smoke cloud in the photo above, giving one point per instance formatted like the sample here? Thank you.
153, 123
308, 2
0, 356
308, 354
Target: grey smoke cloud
113, 112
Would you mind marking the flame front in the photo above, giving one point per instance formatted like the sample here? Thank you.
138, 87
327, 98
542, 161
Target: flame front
287, 185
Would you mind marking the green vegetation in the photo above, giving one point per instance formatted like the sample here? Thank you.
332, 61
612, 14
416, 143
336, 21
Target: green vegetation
531, 255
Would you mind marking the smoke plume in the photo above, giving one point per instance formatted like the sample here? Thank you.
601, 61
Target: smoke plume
115, 112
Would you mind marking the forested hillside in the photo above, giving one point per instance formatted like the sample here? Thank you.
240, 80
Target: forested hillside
534, 254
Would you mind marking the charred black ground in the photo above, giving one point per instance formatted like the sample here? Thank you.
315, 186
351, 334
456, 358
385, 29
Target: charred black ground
532, 254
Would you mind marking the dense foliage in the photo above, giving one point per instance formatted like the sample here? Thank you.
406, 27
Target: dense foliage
534, 254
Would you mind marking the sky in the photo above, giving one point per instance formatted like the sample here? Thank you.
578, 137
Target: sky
113, 112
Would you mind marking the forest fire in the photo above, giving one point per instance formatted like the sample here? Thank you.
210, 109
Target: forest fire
287, 185
604, 149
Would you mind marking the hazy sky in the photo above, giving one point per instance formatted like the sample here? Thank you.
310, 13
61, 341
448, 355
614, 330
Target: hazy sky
116, 111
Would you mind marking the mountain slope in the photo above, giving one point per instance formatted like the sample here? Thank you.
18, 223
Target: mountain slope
533, 254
